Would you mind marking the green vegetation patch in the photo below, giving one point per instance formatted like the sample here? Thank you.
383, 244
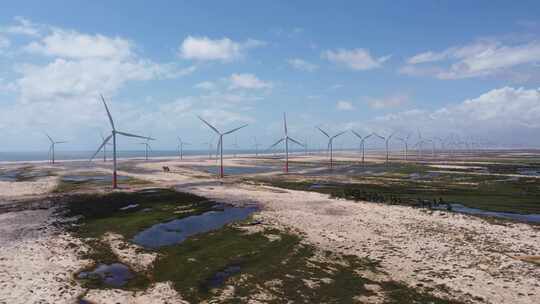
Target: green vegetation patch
127, 213
493, 193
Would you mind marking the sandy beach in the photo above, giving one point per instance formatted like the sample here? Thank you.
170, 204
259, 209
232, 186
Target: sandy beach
463, 257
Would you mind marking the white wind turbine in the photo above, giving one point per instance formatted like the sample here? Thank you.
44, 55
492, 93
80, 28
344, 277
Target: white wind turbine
256, 144
286, 140
181, 146
52, 147
104, 147
330, 144
147, 148
220, 142
114, 132
362, 142
209, 145
386, 142
405, 142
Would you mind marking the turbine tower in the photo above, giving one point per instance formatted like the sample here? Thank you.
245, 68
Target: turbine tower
386, 142
330, 144
52, 146
104, 147
181, 147
220, 142
286, 140
362, 142
405, 142
256, 145
147, 148
114, 132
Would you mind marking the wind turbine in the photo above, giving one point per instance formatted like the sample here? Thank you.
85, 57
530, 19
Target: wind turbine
114, 132
235, 145
362, 142
405, 141
220, 142
209, 143
52, 146
330, 143
104, 147
383, 138
181, 147
286, 139
147, 147
386, 142
256, 145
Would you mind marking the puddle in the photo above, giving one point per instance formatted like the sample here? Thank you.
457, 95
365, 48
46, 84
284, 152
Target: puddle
176, 231
92, 178
321, 186
529, 172
220, 277
21, 175
115, 275
531, 218
425, 176
236, 170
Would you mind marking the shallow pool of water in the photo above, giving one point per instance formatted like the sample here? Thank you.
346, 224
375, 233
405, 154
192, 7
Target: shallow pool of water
92, 178
237, 170
531, 218
220, 277
176, 231
115, 275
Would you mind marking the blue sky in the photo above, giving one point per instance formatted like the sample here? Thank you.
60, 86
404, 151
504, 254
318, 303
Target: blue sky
443, 67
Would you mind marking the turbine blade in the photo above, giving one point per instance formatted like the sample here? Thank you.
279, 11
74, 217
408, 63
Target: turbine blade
60, 142
381, 137
285, 123
218, 146
102, 145
133, 135
340, 133
277, 143
50, 139
296, 142
357, 135
108, 112
323, 132
234, 130
208, 124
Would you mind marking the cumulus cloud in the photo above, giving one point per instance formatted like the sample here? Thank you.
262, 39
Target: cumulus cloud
509, 114
206, 49
393, 101
72, 44
344, 105
356, 59
205, 85
4, 43
482, 58
22, 26
248, 81
302, 65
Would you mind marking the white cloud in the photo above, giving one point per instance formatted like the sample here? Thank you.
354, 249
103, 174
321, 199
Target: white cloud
388, 102
505, 111
344, 105
248, 81
22, 27
71, 44
483, 58
4, 42
302, 65
206, 49
356, 59
205, 85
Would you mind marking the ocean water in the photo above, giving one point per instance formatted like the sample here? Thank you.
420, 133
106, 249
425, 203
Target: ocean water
85, 155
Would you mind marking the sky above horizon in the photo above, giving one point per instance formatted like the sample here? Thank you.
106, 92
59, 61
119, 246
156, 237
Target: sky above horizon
468, 68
